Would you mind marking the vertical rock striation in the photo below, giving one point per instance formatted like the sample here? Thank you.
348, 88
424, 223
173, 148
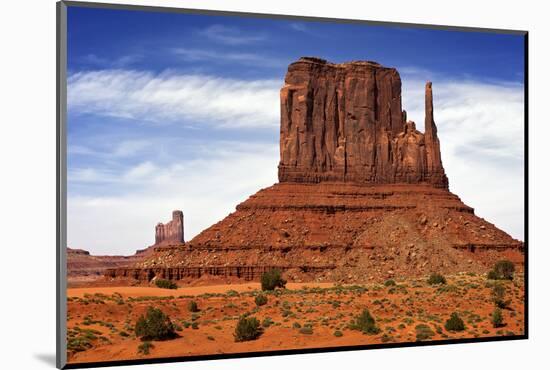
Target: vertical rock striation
171, 232
344, 122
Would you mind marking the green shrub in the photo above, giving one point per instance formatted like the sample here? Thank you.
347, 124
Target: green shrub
389, 282
498, 294
192, 306
155, 325
502, 270
296, 325
248, 328
166, 284
497, 319
365, 323
423, 332
306, 330
454, 323
78, 344
232, 293
260, 299
338, 333
145, 348
435, 279
272, 279
267, 322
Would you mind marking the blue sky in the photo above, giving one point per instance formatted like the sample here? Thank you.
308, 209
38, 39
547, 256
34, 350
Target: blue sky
178, 111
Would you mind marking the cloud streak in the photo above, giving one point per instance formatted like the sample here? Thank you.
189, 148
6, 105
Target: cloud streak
230, 35
252, 59
175, 98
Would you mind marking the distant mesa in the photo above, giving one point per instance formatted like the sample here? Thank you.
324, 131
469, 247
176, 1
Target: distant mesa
362, 195
85, 268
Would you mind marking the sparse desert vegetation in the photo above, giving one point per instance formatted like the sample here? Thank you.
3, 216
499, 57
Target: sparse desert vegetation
455, 323
154, 325
272, 279
237, 318
502, 270
166, 284
435, 279
248, 328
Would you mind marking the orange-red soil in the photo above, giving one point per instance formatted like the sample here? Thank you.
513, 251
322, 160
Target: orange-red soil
103, 318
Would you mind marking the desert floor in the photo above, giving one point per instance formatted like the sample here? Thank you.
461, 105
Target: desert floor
101, 320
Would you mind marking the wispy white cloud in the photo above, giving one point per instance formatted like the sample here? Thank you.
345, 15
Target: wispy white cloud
230, 35
301, 27
141, 171
306, 28
112, 62
129, 148
114, 149
175, 98
257, 60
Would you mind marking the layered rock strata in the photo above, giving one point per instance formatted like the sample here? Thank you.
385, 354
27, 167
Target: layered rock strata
344, 122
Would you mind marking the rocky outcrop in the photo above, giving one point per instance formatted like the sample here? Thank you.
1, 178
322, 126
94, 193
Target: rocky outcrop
171, 232
344, 122
246, 273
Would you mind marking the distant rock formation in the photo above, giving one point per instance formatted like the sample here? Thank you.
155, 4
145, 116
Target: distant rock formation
83, 267
171, 232
344, 122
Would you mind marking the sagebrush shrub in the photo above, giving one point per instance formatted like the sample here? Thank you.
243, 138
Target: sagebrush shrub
154, 325
454, 323
145, 348
498, 295
389, 282
503, 270
248, 328
306, 330
166, 284
260, 300
497, 319
192, 306
365, 323
435, 279
423, 332
272, 279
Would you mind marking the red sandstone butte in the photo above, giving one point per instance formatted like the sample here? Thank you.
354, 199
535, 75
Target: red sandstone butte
171, 232
362, 195
344, 122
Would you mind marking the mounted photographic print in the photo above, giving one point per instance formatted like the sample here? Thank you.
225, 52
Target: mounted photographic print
237, 184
